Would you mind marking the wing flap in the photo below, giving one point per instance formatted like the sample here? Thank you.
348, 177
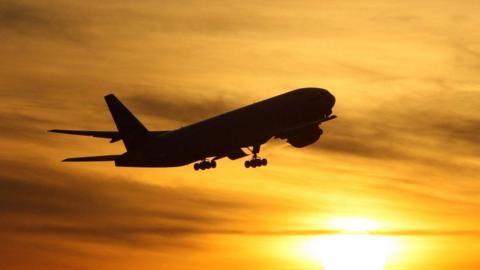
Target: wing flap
236, 154
92, 158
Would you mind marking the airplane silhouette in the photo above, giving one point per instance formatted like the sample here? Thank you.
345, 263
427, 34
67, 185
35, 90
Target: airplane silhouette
294, 116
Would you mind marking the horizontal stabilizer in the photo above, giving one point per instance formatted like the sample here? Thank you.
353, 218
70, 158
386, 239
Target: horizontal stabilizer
112, 135
92, 158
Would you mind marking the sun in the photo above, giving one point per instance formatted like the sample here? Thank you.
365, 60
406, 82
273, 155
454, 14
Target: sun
353, 248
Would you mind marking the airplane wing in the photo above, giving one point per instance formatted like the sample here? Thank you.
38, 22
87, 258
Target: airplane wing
114, 136
236, 154
92, 158
232, 154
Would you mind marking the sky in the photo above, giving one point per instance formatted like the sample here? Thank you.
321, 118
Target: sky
392, 183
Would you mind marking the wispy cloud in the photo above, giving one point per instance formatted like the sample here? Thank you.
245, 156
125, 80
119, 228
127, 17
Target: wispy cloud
407, 96
35, 20
185, 110
439, 123
20, 126
112, 210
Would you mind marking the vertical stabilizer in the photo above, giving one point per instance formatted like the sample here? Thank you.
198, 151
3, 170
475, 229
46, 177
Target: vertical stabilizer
132, 131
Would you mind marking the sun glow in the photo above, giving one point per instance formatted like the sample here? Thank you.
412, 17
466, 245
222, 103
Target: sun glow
353, 225
354, 248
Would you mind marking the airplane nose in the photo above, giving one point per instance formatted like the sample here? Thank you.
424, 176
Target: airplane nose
331, 100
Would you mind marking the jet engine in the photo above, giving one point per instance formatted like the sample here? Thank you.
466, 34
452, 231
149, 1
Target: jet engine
303, 136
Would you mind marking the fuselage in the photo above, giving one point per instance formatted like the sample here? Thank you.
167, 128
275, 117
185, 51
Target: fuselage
243, 127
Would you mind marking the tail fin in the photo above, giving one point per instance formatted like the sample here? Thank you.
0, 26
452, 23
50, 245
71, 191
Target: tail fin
131, 130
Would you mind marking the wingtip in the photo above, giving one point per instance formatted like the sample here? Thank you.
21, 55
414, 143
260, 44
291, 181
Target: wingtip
92, 158
70, 160
111, 95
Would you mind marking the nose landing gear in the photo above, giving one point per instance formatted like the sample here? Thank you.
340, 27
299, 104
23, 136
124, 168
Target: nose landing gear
204, 165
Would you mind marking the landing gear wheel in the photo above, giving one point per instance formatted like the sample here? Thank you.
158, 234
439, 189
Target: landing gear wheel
204, 165
208, 165
264, 162
256, 161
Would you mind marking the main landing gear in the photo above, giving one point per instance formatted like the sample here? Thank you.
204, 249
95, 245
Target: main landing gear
256, 161
204, 165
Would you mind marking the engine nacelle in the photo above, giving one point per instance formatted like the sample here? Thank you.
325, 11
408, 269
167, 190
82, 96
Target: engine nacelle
304, 136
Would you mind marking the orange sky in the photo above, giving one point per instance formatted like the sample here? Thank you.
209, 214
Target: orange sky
404, 152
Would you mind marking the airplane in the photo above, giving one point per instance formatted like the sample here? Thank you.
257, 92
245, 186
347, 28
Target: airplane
294, 116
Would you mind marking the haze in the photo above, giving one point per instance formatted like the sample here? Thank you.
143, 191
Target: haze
395, 176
